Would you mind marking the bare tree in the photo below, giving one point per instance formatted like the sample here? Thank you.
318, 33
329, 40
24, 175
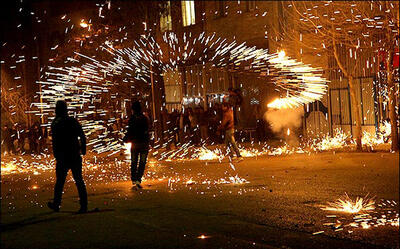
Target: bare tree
344, 29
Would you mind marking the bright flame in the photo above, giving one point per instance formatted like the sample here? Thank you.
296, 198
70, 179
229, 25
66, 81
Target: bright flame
281, 54
284, 103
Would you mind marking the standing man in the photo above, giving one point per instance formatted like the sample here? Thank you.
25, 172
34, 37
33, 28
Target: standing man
67, 150
138, 136
227, 125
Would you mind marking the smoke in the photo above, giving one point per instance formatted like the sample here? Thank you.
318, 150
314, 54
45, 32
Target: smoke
283, 119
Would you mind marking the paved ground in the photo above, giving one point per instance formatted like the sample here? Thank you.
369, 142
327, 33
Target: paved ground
273, 202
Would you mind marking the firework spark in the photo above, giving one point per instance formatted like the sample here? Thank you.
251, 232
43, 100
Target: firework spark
86, 81
347, 205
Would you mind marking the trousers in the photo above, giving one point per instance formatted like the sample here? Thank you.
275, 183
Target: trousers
62, 168
230, 141
137, 171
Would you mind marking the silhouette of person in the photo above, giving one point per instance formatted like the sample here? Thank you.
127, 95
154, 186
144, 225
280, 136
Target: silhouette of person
138, 136
67, 150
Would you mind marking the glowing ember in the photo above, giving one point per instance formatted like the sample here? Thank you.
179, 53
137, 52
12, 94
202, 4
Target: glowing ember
203, 237
190, 182
347, 205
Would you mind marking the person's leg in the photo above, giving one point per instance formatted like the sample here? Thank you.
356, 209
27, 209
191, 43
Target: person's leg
61, 174
7, 147
134, 163
227, 143
231, 138
80, 184
142, 165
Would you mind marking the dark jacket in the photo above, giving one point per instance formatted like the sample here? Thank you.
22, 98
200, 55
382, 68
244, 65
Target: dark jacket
138, 132
65, 131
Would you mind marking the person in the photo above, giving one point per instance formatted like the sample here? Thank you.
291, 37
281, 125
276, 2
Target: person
203, 122
138, 136
260, 123
21, 138
67, 150
8, 134
227, 125
235, 99
173, 127
195, 125
34, 136
184, 125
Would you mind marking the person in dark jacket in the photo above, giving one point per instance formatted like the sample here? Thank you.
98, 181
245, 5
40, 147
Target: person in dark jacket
138, 136
69, 143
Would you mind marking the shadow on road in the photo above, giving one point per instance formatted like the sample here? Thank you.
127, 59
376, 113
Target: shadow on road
44, 217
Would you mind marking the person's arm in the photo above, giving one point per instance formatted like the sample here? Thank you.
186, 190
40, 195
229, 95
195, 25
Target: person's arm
224, 122
82, 138
128, 134
53, 141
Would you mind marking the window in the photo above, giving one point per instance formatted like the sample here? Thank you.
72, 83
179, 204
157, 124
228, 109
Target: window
173, 89
251, 5
220, 8
188, 13
165, 18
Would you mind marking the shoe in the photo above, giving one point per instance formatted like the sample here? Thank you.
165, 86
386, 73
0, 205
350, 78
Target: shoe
82, 210
53, 207
138, 184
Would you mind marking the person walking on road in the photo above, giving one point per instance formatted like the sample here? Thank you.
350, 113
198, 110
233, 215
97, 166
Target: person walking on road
138, 136
67, 150
227, 125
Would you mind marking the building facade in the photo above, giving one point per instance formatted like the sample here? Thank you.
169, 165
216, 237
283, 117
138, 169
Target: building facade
204, 84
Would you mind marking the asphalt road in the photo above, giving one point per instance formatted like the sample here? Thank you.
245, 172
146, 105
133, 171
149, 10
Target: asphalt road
273, 202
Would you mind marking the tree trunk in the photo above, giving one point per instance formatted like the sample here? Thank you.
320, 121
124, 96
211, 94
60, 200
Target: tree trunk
357, 119
353, 98
392, 103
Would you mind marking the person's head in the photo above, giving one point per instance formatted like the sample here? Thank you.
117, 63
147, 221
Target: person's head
136, 108
230, 90
61, 108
